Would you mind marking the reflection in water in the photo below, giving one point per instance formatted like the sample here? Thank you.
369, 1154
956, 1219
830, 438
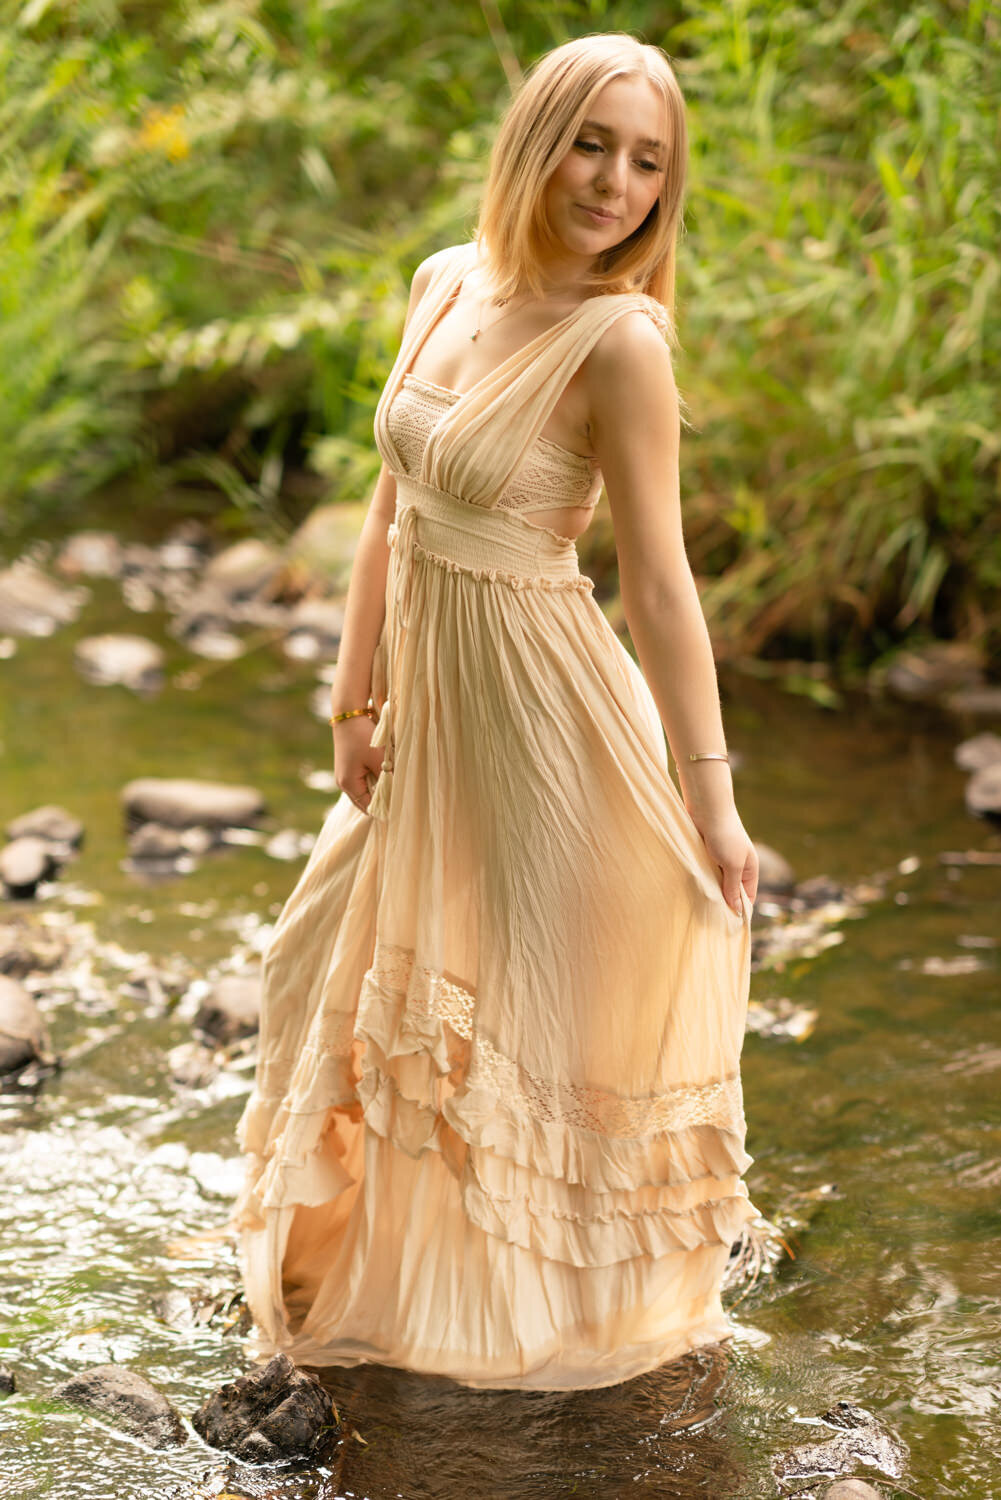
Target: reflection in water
875, 1129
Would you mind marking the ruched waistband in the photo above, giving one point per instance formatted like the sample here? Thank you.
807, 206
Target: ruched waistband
477, 538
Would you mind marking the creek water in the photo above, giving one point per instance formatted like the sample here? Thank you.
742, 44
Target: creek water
875, 1136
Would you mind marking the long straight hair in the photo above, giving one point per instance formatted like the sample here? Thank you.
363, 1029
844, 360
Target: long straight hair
538, 129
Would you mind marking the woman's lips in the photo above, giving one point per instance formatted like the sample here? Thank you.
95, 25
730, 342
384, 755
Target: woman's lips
597, 215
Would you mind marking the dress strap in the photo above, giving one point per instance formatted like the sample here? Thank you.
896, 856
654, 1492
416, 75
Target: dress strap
485, 437
448, 275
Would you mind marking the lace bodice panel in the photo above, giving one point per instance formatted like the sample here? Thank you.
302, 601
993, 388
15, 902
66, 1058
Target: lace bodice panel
552, 477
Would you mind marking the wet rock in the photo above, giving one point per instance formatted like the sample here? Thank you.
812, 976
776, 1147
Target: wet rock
275, 1412
90, 554
53, 824
818, 890
326, 543
288, 844
129, 1400
156, 841
24, 864
28, 949
32, 604
215, 644
233, 1009
192, 1065
977, 753
129, 660
8, 647
315, 627
185, 803
983, 793
8, 1381
926, 675
24, 1038
775, 873
861, 1439
244, 569
851, 1489
984, 700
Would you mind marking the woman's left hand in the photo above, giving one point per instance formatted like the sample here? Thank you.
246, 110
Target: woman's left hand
731, 850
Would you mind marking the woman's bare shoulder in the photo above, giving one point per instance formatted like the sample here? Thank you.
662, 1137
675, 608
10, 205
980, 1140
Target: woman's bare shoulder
633, 347
440, 261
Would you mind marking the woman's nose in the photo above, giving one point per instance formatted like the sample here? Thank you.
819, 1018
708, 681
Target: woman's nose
613, 172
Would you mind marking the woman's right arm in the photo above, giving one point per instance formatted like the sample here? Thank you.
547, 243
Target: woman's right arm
364, 613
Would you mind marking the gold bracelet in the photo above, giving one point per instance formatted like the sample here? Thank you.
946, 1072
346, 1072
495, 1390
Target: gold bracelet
709, 755
351, 713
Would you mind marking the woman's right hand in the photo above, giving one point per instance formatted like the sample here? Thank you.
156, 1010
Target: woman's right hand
355, 758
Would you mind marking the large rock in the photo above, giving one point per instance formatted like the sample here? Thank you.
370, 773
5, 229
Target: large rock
984, 701
24, 1037
983, 793
24, 864
244, 569
134, 1405
31, 604
326, 542
275, 1412
860, 1439
130, 660
233, 1009
53, 824
190, 804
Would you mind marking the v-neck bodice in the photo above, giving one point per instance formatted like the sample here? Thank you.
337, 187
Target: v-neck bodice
485, 435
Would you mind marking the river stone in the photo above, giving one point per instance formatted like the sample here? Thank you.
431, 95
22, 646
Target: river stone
232, 1010
983, 793
851, 1489
24, 864
91, 554
275, 1412
315, 627
928, 674
326, 542
244, 569
130, 660
860, 1438
23, 1035
985, 700
155, 841
134, 1405
192, 1065
977, 753
53, 824
775, 873
32, 604
186, 803
8, 1381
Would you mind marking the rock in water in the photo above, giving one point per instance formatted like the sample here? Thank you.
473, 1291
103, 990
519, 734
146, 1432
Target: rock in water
926, 675
980, 751
94, 554
24, 1038
53, 824
983, 793
851, 1489
130, 660
32, 604
275, 1412
775, 873
191, 804
24, 864
233, 1009
130, 1401
860, 1438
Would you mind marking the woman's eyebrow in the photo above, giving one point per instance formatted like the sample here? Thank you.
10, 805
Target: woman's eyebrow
647, 140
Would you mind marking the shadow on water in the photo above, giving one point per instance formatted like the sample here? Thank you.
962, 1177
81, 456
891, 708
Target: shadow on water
876, 1134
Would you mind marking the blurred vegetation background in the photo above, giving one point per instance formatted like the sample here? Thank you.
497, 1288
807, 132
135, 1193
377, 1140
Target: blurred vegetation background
211, 212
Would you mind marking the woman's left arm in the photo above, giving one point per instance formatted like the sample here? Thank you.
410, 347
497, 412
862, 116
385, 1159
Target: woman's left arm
635, 428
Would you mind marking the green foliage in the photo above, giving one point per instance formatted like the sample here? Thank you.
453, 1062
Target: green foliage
210, 213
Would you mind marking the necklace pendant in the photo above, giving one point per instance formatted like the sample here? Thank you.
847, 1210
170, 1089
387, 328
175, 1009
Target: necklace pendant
474, 336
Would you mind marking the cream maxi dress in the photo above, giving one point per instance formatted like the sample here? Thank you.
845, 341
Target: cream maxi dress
497, 1130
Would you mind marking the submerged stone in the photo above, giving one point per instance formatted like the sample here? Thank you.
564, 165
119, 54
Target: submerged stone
275, 1412
129, 1400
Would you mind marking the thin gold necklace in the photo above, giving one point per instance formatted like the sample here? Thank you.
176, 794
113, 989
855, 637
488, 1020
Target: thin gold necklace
498, 302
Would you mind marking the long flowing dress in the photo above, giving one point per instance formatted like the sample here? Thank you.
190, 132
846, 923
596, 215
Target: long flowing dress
496, 1130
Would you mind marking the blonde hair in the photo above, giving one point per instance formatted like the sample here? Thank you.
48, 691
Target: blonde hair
537, 131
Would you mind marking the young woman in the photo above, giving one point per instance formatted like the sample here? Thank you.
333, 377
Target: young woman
497, 1131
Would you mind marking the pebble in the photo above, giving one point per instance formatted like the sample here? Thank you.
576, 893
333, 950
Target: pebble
977, 753
232, 1010
91, 554
24, 1037
52, 823
775, 873
32, 604
983, 793
24, 864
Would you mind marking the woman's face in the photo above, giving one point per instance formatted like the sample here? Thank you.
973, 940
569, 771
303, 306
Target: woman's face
612, 175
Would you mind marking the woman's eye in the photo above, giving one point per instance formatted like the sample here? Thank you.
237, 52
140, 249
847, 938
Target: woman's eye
588, 145
648, 166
